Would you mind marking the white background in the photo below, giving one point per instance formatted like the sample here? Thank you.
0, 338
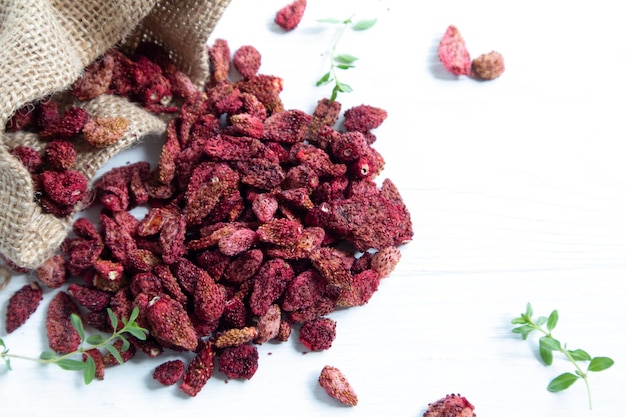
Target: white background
517, 191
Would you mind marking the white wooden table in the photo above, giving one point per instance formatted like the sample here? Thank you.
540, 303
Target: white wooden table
517, 191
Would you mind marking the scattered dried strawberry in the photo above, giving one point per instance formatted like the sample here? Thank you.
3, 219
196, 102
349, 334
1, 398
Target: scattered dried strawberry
452, 405
199, 371
453, 53
247, 61
60, 155
318, 334
488, 66
70, 124
170, 324
289, 16
239, 362
62, 336
29, 157
22, 304
170, 372
101, 132
337, 386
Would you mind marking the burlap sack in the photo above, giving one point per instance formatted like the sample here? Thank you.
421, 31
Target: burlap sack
44, 46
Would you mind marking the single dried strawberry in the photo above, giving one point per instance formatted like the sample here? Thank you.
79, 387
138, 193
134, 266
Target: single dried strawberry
22, 304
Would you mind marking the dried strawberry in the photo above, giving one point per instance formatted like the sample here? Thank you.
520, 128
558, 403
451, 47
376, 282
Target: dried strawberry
452, 405
199, 371
170, 372
22, 304
62, 336
453, 52
318, 334
52, 272
101, 132
337, 386
170, 323
70, 124
289, 16
239, 362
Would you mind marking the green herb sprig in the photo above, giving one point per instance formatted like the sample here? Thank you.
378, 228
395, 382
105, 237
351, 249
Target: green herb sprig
341, 61
97, 341
548, 344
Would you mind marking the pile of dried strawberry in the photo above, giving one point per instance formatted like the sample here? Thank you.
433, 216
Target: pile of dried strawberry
259, 219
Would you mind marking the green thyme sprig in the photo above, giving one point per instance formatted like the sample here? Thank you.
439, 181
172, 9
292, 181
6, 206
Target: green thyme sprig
548, 345
97, 341
341, 61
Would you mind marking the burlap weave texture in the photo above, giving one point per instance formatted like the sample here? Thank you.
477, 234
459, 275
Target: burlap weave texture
45, 45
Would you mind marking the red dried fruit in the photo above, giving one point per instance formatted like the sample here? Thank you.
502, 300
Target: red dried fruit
199, 371
324, 117
209, 298
109, 275
304, 290
245, 125
318, 160
363, 286
453, 52
172, 238
243, 266
260, 173
22, 304
83, 227
91, 298
385, 260
363, 118
334, 266
318, 334
337, 386
95, 79
145, 283
64, 187
247, 61
171, 148
452, 405
239, 362
269, 284
170, 372
62, 336
488, 66
235, 337
219, 56
46, 113
28, 156
169, 283
284, 331
170, 324
266, 88
264, 207
289, 126
52, 272
289, 16
207, 185
20, 120
60, 154
238, 241
101, 132
235, 313
70, 124
268, 325
117, 239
